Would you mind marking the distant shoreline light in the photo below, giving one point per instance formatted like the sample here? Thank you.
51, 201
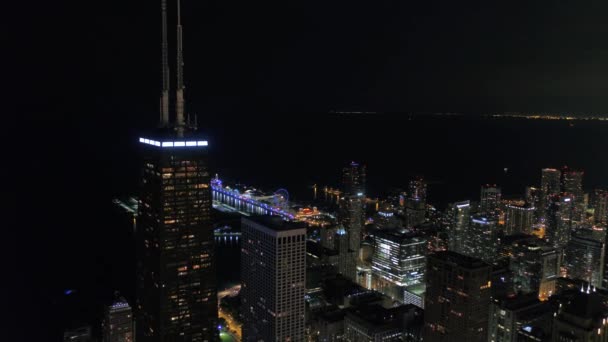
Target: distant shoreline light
165, 144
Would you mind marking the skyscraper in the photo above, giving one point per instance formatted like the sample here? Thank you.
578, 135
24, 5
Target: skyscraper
535, 266
399, 261
352, 213
273, 271
507, 315
582, 318
549, 185
600, 206
572, 184
176, 287
559, 220
489, 199
518, 219
459, 219
457, 298
353, 179
118, 322
584, 258
533, 200
482, 238
415, 203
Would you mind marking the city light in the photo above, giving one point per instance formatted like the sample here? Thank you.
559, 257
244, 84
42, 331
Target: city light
199, 143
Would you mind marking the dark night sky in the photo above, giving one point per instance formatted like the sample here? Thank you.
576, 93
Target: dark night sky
89, 72
381, 55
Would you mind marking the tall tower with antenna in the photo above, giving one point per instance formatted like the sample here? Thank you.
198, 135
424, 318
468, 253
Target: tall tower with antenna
176, 293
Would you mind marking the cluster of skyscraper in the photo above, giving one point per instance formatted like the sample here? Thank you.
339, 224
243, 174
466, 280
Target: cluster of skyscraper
397, 269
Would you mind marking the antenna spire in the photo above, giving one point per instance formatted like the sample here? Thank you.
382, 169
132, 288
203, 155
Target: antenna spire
179, 92
164, 97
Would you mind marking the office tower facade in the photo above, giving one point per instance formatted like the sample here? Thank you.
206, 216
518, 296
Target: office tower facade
584, 258
600, 206
176, 288
457, 298
352, 210
509, 315
582, 318
415, 203
459, 220
273, 272
535, 267
558, 223
518, 219
376, 323
533, 196
353, 179
399, 261
490, 196
549, 185
572, 184
118, 322
482, 238
347, 265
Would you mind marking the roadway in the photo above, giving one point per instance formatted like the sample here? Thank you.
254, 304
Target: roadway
234, 328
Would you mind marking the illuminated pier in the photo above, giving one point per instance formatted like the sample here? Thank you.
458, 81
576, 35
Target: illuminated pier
251, 202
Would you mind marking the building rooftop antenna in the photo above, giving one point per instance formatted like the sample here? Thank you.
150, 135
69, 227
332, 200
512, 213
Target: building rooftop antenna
164, 97
179, 91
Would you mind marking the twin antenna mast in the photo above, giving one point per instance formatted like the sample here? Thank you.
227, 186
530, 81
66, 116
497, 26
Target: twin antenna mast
180, 125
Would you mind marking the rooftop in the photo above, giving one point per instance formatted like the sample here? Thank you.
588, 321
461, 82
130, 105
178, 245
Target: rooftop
459, 259
275, 222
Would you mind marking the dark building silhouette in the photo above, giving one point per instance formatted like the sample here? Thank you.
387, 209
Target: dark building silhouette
457, 298
176, 286
352, 210
549, 185
118, 322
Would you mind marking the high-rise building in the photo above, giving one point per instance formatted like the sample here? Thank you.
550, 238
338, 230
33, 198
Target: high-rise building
600, 206
482, 238
490, 199
347, 262
549, 185
582, 318
509, 315
352, 213
273, 272
457, 298
415, 203
558, 224
535, 267
459, 219
176, 293
399, 261
353, 180
572, 184
118, 322
376, 323
584, 258
533, 200
518, 219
